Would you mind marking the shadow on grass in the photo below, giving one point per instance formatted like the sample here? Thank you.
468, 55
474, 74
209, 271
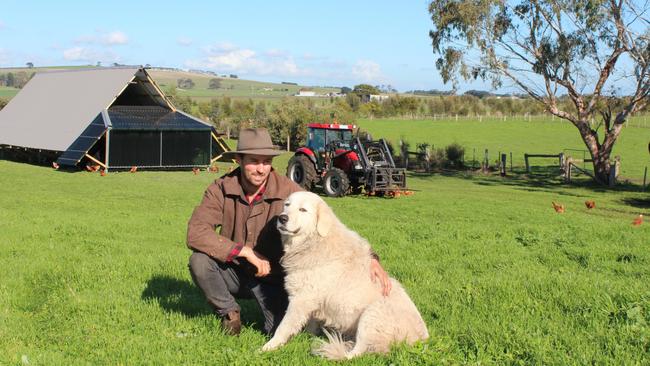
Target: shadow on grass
539, 179
174, 295
181, 296
638, 202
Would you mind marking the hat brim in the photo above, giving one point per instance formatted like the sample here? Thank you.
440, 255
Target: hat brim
263, 152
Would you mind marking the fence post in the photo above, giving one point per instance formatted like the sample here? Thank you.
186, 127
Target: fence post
645, 173
527, 165
486, 161
473, 158
503, 165
511, 162
405, 154
613, 170
426, 159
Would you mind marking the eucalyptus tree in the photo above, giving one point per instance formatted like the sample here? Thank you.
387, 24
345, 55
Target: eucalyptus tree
596, 53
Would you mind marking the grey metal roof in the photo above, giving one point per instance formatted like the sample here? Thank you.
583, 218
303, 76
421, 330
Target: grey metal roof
53, 109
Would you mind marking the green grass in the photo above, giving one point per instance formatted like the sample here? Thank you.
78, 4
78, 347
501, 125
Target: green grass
540, 136
7, 92
94, 271
234, 88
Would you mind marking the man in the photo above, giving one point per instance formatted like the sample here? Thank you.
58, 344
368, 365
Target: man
242, 261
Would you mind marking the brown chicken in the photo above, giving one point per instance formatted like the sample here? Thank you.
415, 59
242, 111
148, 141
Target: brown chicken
134, 169
214, 168
55, 165
638, 221
590, 204
558, 207
102, 172
195, 171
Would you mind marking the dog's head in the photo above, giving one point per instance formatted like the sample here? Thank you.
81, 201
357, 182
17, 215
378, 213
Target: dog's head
305, 214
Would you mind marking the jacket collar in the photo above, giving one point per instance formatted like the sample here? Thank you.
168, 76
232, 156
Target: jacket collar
232, 186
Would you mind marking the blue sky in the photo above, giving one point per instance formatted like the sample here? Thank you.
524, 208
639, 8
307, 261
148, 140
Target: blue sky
338, 43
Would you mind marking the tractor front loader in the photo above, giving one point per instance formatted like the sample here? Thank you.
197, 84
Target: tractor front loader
341, 164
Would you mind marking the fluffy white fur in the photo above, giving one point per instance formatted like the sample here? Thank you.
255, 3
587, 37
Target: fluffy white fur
328, 281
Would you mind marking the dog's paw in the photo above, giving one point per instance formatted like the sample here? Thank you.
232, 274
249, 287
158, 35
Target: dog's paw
269, 346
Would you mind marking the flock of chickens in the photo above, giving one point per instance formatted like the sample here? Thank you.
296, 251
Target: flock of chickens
559, 208
102, 172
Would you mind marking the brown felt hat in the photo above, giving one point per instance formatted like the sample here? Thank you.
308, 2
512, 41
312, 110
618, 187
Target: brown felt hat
255, 141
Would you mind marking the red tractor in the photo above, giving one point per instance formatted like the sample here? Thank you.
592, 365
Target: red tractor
341, 163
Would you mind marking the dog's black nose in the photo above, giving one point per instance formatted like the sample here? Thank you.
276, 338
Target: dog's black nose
283, 219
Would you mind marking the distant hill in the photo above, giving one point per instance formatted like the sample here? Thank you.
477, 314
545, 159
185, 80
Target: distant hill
168, 78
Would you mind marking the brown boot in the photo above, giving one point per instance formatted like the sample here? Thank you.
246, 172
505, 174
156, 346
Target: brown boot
231, 323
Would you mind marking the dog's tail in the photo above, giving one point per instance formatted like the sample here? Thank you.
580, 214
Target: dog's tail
336, 349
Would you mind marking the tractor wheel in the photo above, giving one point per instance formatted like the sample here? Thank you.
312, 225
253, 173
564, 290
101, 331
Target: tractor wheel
336, 183
302, 171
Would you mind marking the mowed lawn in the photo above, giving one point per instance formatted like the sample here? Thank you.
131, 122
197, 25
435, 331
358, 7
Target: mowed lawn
94, 271
542, 135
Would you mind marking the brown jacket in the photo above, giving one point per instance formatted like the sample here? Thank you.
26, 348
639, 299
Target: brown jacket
225, 205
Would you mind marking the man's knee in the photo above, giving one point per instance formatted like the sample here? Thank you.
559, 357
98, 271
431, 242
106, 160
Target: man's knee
201, 265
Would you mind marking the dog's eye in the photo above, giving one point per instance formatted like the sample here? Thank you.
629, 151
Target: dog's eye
286, 204
302, 209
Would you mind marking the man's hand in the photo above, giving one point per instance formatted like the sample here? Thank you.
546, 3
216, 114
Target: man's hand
259, 261
377, 273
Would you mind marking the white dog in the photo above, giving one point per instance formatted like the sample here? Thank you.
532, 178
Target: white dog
329, 284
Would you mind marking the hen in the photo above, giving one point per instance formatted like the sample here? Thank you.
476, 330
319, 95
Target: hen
558, 207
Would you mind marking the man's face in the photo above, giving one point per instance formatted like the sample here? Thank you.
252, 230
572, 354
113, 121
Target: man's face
255, 168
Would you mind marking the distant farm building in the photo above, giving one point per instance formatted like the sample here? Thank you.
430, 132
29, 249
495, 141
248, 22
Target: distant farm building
365, 98
306, 93
116, 118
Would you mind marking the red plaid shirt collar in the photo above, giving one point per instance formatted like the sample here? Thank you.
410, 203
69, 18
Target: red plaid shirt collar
258, 197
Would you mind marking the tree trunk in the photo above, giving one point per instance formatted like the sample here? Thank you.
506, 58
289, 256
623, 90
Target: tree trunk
600, 153
601, 167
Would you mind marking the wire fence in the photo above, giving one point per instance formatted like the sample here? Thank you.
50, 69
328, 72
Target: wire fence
507, 162
638, 121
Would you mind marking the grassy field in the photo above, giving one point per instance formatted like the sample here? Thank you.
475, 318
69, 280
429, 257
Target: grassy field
94, 271
7, 92
234, 88
541, 135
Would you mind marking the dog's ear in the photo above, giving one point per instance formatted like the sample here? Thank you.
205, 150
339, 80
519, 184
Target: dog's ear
324, 218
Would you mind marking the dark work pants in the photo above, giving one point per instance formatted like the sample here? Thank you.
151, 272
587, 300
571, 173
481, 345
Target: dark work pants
222, 283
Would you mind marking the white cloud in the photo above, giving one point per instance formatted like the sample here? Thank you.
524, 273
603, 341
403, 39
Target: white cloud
367, 71
281, 64
184, 41
227, 57
104, 38
276, 53
220, 47
115, 37
90, 55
